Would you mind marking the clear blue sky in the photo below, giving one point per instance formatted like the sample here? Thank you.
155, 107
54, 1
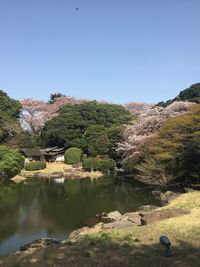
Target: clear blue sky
115, 50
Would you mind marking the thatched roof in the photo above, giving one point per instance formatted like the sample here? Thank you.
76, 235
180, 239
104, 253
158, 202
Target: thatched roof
52, 151
30, 152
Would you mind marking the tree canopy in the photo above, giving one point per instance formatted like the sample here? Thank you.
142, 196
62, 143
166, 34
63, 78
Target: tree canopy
76, 125
9, 114
191, 94
9, 106
174, 151
11, 162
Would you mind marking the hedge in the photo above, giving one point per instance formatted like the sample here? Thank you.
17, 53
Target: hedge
73, 155
90, 164
98, 164
106, 165
34, 166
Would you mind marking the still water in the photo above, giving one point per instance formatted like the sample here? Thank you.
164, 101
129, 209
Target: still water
40, 208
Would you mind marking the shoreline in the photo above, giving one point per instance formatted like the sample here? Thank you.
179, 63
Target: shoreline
120, 241
57, 171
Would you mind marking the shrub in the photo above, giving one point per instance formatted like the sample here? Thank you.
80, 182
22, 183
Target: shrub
90, 164
73, 155
11, 162
106, 165
34, 166
99, 164
84, 157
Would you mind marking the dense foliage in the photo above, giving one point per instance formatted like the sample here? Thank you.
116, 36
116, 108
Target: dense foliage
174, 152
96, 140
73, 155
137, 136
35, 165
87, 126
9, 113
11, 162
99, 164
8, 105
35, 113
191, 94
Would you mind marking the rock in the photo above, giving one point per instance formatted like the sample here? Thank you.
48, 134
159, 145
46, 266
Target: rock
133, 217
75, 234
40, 243
147, 207
118, 225
111, 217
188, 189
154, 216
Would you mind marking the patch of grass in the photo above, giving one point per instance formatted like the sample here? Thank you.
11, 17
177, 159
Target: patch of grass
86, 254
68, 242
127, 238
92, 243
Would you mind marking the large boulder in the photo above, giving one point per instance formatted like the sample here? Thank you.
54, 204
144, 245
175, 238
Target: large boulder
109, 217
154, 216
75, 234
133, 217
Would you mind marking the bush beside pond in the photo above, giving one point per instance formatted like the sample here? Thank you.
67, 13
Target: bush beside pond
34, 166
11, 162
99, 164
73, 155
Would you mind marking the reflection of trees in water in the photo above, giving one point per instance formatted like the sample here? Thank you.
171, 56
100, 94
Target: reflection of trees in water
59, 209
9, 205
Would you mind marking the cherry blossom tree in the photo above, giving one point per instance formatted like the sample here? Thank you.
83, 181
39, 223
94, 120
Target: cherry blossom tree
36, 112
138, 135
136, 108
33, 115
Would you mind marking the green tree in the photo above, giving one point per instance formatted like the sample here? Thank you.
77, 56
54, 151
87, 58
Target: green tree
69, 127
11, 162
96, 140
10, 106
9, 123
175, 148
191, 94
54, 96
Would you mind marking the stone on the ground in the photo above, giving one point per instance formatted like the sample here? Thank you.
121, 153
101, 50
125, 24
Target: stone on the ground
133, 217
147, 207
154, 216
110, 217
74, 235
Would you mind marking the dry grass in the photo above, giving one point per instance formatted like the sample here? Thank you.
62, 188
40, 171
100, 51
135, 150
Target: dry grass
61, 167
136, 246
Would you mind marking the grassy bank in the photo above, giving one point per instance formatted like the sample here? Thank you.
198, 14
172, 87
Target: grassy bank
52, 168
136, 246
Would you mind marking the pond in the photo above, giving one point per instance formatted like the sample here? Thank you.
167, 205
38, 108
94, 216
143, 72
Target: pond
40, 208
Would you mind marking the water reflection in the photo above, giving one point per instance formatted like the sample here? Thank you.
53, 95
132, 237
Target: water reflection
40, 208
